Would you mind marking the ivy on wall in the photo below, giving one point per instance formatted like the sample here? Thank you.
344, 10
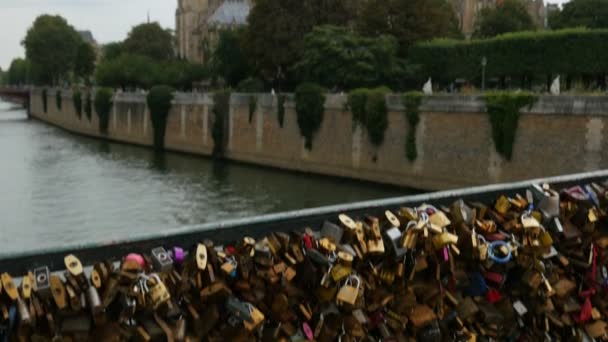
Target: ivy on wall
88, 106
103, 104
281, 109
77, 101
369, 109
159, 102
411, 102
44, 100
504, 111
58, 99
310, 105
253, 105
220, 110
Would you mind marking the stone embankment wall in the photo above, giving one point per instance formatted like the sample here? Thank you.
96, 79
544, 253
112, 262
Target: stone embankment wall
558, 135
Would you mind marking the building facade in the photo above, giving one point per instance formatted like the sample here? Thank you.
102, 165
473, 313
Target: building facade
468, 11
198, 23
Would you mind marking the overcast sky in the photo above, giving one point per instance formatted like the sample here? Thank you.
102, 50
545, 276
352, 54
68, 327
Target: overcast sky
109, 20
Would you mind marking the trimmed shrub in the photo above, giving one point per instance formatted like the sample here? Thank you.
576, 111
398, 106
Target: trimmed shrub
103, 105
220, 110
77, 101
253, 105
569, 52
310, 106
281, 109
504, 110
88, 106
369, 109
411, 102
159, 103
58, 99
44, 100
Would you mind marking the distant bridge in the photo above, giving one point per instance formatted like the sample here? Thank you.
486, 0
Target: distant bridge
16, 94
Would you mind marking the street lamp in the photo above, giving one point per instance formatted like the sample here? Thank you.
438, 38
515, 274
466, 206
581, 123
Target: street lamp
484, 62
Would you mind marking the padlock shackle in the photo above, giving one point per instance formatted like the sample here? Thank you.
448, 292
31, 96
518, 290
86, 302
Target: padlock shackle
498, 244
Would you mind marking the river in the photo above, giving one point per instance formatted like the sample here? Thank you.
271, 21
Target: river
60, 189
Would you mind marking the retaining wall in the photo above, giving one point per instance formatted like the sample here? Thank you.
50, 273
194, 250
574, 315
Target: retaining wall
558, 135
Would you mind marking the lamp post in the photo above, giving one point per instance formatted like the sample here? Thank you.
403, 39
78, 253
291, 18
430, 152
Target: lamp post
484, 62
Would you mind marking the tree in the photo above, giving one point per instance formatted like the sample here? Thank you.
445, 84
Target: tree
410, 21
274, 37
85, 61
113, 50
51, 46
229, 61
150, 40
510, 16
132, 71
18, 72
334, 56
581, 13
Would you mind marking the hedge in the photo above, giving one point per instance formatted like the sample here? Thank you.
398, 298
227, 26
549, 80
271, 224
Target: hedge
571, 52
159, 102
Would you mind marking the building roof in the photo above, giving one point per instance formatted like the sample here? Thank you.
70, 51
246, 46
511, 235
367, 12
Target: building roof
87, 36
231, 12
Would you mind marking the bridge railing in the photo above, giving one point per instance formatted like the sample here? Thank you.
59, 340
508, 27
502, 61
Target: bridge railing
227, 231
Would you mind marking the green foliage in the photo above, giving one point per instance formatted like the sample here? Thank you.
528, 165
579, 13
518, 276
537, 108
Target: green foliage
572, 51
45, 100
510, 16
113, 50
334, 56
220, 110
310, 106
77, 101
150, 40
51, 46
228, 60
58, 99
504, 110
251, 85
159, 102
88, 106
581, 13
85, 61
409, 21
103, 105
412, 101
281, 109
274, 36
130, 71
253, 105
18, 72
369, 109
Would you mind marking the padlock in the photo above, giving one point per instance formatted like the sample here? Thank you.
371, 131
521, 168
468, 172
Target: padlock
349, 292
158, 293
394, 238
93, 300
161, 260
26, 285
58, 291
42, 284
257, 317
23, 311
201, 256
339, 272
229, 267
327, 246
331, 231
9, 287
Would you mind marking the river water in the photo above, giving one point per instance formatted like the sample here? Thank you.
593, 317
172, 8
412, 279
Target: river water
60, 189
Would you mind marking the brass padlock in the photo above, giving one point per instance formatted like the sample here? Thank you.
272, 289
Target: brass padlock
339, 272
349, 291
158, 293
257, 317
